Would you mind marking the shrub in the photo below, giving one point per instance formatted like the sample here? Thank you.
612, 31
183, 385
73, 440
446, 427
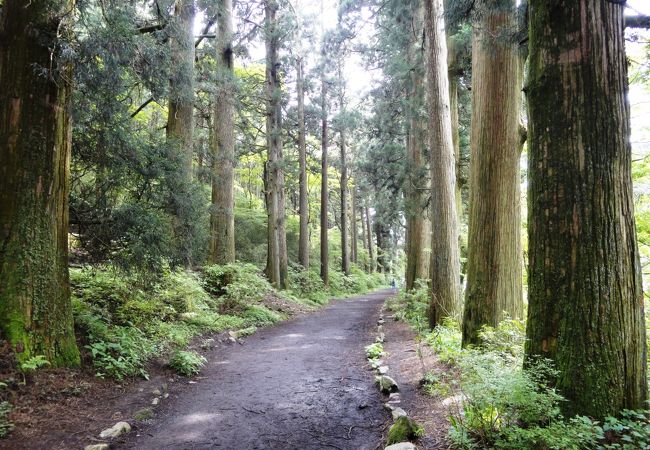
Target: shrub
445, 340
307, 284
374, 351
183, 291
260, 316
236, 283
186, 362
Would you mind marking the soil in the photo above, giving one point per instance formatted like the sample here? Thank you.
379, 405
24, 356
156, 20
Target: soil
302, 384
408, 362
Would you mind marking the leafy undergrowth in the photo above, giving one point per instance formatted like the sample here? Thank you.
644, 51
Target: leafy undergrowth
122, 322
501, 405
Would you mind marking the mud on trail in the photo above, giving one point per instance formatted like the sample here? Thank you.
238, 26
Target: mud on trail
303, 384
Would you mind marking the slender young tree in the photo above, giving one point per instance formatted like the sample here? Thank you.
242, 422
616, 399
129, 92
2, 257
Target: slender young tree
35, 144
445, 262
354, 232
585, 299
494, 283
371, 252
180, 121
222, 217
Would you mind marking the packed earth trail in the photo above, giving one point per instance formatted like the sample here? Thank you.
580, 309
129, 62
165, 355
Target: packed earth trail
303, 384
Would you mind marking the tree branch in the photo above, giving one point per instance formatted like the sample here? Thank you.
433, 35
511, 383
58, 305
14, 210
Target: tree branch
637, 21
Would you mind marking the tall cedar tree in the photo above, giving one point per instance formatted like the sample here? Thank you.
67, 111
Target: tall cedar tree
585, 300
445, 263
276, 267
494, 283
418, 226
303, 239
324, 188
180, 120
35, 143
345, 250
222, 218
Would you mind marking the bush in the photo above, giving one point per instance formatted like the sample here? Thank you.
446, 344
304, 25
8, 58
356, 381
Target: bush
183, 291
260, 316
5, 424
236, 283
186, 362
307, 284
374, 351
446, 340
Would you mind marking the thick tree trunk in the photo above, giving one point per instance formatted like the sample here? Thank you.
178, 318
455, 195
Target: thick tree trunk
222, 215
445, 264
274, 174
35, 143
324, 192
180, 124
417, 223
585, 298
303, 240
494, 284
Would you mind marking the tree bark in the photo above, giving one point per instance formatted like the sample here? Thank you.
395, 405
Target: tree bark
277, 270
417, 224
303, 239
585, 298
494, 284
345, 251
445, 264
35, 144
371, 253
324, 192
180, 123
354, 234
222, 215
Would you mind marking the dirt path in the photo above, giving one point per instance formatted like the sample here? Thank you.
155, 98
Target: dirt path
303, 384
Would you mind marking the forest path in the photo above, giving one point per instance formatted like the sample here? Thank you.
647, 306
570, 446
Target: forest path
303, 384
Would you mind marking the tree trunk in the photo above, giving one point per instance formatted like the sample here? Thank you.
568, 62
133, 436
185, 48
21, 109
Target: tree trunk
417, 223
222, 216
345, 251
445, 264
371, 253
324, 193
585, 298
354, 249
303, 240
180, 124
35, 143
494, 243
273, 168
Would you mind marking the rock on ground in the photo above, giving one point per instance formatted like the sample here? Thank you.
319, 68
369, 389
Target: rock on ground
116, 430
401, 446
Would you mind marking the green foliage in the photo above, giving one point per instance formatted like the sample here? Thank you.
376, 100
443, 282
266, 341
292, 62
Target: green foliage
237, 282
5, 425
412, 306
259, 315
507, 339
445, 340
374, 351
404, 429
186, 362
307, 284
630, 430
34, 363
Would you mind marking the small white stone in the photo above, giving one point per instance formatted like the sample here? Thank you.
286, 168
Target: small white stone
401, 446
397, 412
383, 370
155, 401
97, 447
116, 430
386, 384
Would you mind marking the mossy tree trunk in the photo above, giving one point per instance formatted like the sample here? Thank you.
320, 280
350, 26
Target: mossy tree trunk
445, 262
585, 298
418, 226
35, 143
354, 232
371, 251
180, 125
494, 284
222, 216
